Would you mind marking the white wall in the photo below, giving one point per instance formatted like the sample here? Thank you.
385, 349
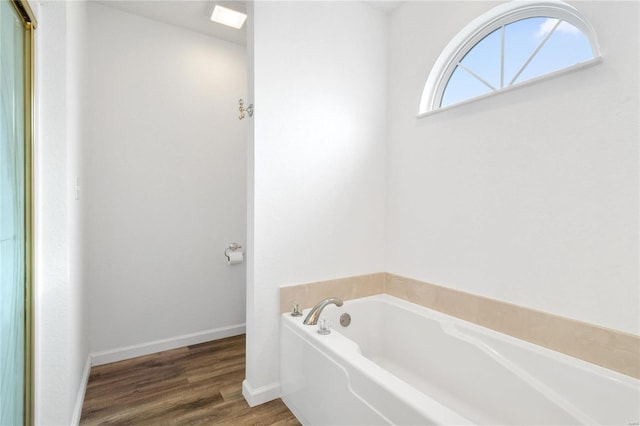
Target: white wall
530, 196
61, 331
165, 184
318, 159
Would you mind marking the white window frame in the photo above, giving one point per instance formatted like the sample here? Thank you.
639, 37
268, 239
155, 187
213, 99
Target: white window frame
484, 25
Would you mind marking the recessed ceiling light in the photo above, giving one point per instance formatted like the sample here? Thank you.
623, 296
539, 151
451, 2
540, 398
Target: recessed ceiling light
229, 17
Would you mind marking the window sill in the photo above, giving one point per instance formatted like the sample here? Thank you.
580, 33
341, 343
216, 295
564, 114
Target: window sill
568, 70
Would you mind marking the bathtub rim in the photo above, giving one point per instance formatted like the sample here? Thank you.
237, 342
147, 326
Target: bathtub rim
421, 310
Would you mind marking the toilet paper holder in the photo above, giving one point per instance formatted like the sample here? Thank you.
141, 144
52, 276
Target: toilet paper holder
232, 247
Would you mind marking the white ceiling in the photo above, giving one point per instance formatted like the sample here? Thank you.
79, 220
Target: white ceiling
195, 14
191, 14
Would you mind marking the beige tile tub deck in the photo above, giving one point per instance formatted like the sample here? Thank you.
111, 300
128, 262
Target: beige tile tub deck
307, 295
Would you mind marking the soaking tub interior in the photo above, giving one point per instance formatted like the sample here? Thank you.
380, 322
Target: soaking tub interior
401, 363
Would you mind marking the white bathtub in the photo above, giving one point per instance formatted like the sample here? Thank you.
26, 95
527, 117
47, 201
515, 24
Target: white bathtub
401, 363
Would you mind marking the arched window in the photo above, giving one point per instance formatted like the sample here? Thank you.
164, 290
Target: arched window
510, 44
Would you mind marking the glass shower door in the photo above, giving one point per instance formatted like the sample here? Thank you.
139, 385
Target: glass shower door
13, 244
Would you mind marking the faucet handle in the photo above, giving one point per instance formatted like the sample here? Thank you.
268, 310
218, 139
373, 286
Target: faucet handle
295, 311
323, 327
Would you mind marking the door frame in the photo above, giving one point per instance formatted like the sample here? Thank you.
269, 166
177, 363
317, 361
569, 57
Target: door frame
30, 24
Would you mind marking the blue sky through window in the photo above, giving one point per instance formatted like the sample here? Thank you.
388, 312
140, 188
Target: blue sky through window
520, 40
461, 86
566, 46
484, 59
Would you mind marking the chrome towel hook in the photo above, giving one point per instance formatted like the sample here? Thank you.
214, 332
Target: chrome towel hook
242, 109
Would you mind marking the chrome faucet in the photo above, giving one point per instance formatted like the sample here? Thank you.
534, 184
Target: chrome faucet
312, 318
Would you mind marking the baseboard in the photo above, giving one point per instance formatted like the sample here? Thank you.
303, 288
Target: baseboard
77, 409
260, 395
114, 355
294, 410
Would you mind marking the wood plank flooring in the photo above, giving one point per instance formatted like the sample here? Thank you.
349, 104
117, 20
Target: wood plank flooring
193, 385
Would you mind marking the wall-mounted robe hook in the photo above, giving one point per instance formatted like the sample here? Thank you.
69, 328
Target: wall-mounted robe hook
242, 109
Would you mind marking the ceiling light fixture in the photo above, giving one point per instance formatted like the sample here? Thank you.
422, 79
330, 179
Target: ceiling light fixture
228, 17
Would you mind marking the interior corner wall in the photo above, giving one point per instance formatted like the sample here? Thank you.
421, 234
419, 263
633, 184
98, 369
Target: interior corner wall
529, 196
164, 186
318, 151
60, 307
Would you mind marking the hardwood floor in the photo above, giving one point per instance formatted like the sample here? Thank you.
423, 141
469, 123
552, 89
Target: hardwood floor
193, 385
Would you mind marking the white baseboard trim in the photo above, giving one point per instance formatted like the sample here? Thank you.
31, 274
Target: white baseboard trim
120, 354
77, 409
257, 396
294, 411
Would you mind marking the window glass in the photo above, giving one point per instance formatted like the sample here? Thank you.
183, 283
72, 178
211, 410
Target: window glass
520, 40
461, 86
565, 47
484, 59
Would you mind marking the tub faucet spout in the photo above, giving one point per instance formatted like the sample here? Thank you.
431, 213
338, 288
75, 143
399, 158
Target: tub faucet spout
314, 315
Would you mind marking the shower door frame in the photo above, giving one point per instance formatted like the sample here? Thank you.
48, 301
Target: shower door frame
30, 24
